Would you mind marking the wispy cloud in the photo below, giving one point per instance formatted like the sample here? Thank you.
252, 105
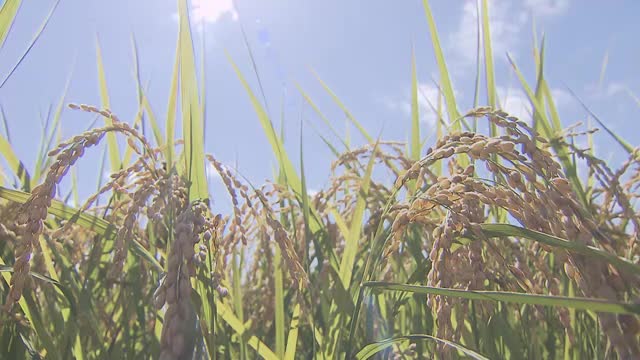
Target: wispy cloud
547, 7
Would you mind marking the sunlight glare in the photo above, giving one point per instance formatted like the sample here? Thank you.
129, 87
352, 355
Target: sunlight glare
212, 10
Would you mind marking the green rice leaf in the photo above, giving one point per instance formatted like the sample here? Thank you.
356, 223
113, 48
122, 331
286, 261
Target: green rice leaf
315, 108
499, 230
596, 305
170, 126
15, 164
6, 20
293, 180
372, 349
192, 121
445, 81
8, 14
352, 238
227, 315
346, 111
621, 141
112, 142
415, 112
548, 130
488, 61
292, 339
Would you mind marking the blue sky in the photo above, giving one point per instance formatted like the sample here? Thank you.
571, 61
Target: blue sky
361, 49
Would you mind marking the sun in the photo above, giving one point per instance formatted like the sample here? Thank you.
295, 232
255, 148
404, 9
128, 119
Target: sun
211, 11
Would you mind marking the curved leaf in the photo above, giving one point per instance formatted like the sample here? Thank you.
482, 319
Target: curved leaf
497, 230
597, 305
374, 348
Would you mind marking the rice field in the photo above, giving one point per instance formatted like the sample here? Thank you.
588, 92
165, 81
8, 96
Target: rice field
487, 243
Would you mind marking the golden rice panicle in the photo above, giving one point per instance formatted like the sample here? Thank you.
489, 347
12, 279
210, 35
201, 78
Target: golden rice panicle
389, 153
128, 228
119, 126
135, 170
529, 185
34, 211
298, 274
232, 185
175, 289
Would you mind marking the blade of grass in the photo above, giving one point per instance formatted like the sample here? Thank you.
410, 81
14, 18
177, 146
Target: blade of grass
192, 121
541, 121
445, 80
203, 84
112, 142
415, 111
15, 164
237, 298
155, 126
355, 227
6, 19
506, 230
227, 315
376, 347
488, 61
595, 305
33, 315
279, 303
5, 126
622, 142
347, 262
170, 126
278, 148
292, 339
254, 66
348, 114
562, 152
633, 97
322, 116
476, 88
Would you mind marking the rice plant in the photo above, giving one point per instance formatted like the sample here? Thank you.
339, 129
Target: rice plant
487, 244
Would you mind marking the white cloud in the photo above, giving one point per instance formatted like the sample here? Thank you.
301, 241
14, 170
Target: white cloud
506, 23
211, 11
615, 88
515, 102
547, 7
428, 97
611, 89
507, 20
561, 97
